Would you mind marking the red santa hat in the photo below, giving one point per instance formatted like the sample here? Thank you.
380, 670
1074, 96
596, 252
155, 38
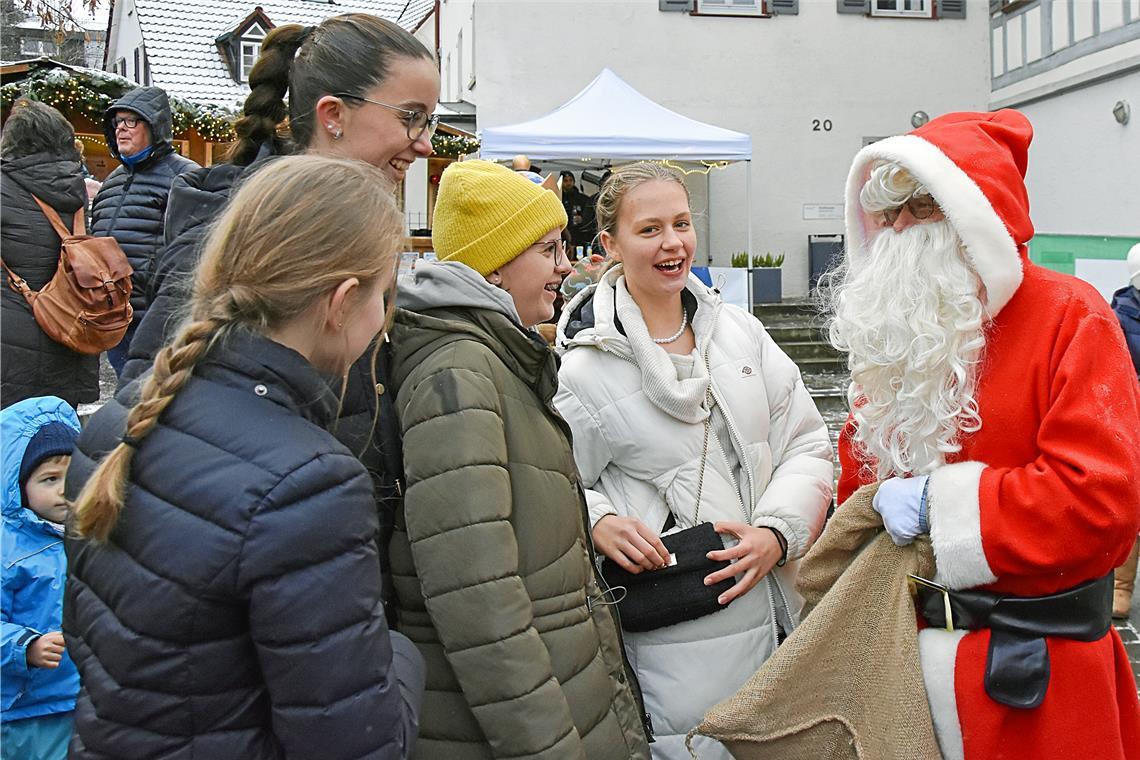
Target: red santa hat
973, 164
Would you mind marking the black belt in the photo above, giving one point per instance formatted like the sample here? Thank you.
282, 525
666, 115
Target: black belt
1017, 664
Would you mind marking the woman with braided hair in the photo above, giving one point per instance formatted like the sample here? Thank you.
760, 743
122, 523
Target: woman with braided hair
357, 86
225, 592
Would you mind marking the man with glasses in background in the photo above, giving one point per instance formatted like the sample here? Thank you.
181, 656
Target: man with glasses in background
996, 403
131, 204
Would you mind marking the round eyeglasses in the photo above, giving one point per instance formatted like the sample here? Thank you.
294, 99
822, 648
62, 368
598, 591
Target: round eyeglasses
552, 249
416, 121
919, 206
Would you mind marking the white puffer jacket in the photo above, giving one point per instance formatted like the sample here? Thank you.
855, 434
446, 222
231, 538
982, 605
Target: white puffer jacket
638, 460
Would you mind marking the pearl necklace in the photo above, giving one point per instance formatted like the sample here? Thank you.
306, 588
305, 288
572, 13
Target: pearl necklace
672, 338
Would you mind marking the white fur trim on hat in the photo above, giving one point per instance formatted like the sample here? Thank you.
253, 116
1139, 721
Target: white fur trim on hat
938, 651
956, 526
989, 246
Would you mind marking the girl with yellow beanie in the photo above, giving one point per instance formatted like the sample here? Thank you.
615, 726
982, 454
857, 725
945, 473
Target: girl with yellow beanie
490, 559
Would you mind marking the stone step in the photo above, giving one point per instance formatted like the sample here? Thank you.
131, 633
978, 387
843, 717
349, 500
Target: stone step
799, 310
793, 333
827, 363
829, 402
809, 349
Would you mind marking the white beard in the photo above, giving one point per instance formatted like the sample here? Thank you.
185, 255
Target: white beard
909, 314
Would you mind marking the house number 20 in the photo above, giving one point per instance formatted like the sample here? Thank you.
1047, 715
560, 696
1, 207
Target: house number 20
821, 125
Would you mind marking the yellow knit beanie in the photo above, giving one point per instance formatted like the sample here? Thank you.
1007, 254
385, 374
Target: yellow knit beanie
486, 215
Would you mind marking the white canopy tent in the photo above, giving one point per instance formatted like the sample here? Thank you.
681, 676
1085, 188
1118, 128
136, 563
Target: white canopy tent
611, 120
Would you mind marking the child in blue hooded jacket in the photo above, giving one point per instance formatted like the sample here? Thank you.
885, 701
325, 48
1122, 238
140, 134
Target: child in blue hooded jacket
39, 681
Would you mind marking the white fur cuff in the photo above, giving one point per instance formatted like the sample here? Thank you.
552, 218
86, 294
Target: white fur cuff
956, 526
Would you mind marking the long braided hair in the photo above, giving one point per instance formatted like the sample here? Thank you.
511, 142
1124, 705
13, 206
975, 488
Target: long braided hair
350, 53
291, 234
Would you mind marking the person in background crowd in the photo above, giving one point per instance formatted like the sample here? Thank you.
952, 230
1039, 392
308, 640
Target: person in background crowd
219, 529
131, 203
520, 163
995, 401
685, 411
358, 87
579, 210
39, 159
490, 558
1126, 305
82, 161
39, 680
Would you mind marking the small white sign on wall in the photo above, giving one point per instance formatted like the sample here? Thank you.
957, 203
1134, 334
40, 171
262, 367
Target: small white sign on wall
1106, 275
821, 211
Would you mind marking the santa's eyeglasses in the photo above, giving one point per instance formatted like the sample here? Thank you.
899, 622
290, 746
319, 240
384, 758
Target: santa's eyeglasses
919, 206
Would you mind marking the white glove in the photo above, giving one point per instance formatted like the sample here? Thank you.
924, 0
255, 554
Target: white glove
902, 504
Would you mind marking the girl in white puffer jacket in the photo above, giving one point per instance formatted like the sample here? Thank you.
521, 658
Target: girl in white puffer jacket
635, 389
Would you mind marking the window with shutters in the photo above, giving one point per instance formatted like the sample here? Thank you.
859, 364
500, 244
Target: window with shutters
731, 7
904, 8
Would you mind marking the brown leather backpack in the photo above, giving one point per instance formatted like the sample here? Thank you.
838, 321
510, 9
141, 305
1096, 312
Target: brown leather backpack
86, 305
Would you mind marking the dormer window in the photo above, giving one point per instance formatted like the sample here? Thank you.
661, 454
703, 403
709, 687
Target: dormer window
241, 45
250, 49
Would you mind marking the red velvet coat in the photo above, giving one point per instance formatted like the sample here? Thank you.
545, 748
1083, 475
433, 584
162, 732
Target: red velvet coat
1044, 497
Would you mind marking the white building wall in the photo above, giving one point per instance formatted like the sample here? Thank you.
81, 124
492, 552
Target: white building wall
782, 80
1084, 167
1094, 189
126, 35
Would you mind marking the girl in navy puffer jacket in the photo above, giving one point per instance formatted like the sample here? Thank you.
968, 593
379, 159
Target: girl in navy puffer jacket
225, 596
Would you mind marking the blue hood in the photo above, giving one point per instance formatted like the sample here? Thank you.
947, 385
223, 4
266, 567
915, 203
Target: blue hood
18, 424
34, 570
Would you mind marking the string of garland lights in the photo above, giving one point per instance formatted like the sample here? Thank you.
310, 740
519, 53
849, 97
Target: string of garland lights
453, 146
89, 94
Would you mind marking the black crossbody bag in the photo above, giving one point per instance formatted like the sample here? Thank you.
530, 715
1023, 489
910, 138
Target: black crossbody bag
658, 598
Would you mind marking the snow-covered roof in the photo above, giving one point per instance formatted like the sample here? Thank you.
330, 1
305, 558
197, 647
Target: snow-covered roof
180, 38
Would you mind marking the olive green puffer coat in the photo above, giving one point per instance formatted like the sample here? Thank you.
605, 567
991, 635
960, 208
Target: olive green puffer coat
490, 558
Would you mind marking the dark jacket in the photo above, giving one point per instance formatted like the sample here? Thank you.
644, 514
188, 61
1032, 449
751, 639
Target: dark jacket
196, 200
33, 364
491, 558
235, 610
131, 204
1126, 304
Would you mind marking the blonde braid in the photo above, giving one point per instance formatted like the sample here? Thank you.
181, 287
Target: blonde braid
97, 508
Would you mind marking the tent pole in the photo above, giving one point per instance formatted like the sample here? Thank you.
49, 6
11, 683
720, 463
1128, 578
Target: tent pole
748, 195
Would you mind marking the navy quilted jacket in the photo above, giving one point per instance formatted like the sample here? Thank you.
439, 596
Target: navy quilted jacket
131, 204
235, 610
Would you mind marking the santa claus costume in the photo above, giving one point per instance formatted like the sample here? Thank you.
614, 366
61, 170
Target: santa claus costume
1045, 495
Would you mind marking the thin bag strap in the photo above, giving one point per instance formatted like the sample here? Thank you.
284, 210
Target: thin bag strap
18, 283
57, 223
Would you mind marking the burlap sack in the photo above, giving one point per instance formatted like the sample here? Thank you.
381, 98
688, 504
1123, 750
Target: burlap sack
848, 682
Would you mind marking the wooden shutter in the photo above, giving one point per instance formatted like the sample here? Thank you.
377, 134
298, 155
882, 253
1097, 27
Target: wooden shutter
862, 7
950, 8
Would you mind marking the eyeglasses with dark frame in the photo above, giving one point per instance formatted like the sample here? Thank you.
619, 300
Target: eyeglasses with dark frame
553, 249
130, 122
417, 121
919, 206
